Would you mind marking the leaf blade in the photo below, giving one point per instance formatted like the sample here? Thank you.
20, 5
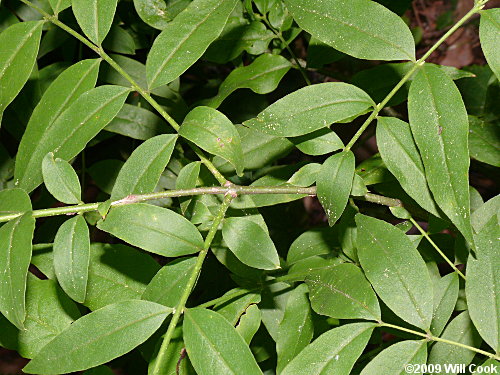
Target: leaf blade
61, 179
489, 29
95, 17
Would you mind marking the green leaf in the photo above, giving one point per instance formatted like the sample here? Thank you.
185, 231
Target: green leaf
99, 337
215, 133
48, 312
20, 44
343, 292
151, 228
273, 305
13, 201
137, 123
142, 170
396, 270
483, 284
185, 39
484, 141
459, 330
320, 142
187, 179
399, 153
363, 29
249, 323
318, 241
296, 329
334, 352
445, 298
59, 5
61, 179
261, 76
483, 214
334, 184
169, 283
71, 131
62, 93
306, 175
311, 108
72, 256
489, 33
117, 273
15, 256
394, 359
233, 309
158, 13
214, 346
95, 17
250, 243
439, 124
119, 40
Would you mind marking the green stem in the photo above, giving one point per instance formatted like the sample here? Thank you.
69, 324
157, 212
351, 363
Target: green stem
418, 64
439, 339
190, 285
215, 190
144, 93
436, 247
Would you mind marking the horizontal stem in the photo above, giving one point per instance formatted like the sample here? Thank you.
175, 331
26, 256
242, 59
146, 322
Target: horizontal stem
439, 339
214, 190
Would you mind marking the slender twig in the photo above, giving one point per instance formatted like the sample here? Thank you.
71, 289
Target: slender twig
179, 309
418, 64
431, 337
215, 190
143, 92
436, 247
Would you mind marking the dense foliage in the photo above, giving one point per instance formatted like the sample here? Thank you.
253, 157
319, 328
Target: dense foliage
160, 163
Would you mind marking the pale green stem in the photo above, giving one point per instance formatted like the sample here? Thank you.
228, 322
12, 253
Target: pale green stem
179, 309
418, 64
430, 337
215, 190
436, 247
144, 93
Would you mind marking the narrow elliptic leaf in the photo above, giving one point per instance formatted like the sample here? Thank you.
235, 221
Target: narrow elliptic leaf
484, 141
65, 89
320, 142
187, 179
311, 108
99, 337
15, 256
61, 179
59, 5
249, 323
250, 243
158, 13
394, 359
13, 201
484, 213
214, 346
18, 54
489, 33
305, 176
363, 28
334, 352
71, 131
48, 312
399, 153
440, 127
296, 329
169, 283
459, 330
318, 241
185, 39
334, 184
483, 284
445, 298
273, 305
343, 292
72, 256
137, 123
262, 76
117, 273
233, 309
396, 270
215, 133
142, 170
95, 17
155, 229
